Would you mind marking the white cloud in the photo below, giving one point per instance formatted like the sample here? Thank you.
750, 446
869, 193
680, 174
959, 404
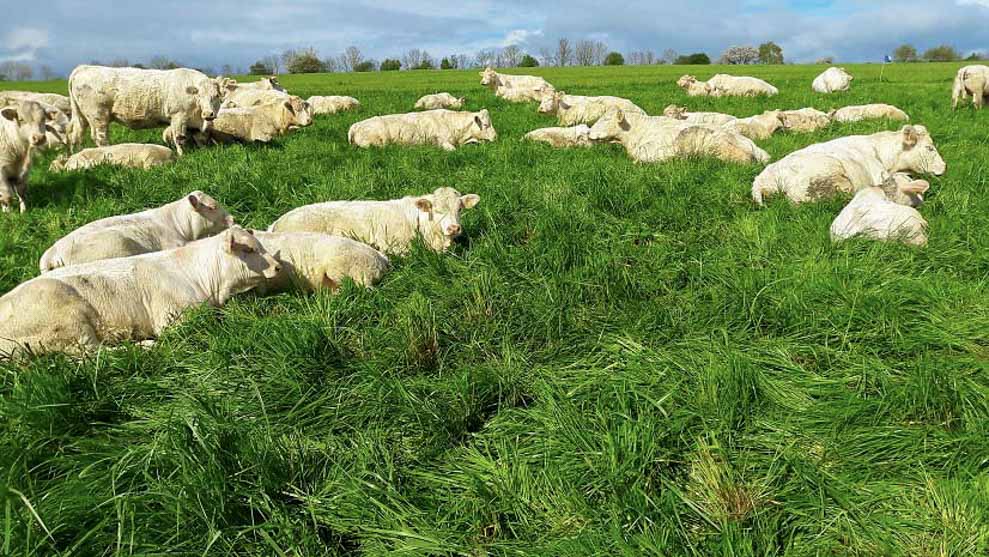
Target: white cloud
26, 38
984, 3
521, 36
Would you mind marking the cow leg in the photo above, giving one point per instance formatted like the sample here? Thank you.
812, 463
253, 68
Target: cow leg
99, 129
6, 193
178, 130
20, 186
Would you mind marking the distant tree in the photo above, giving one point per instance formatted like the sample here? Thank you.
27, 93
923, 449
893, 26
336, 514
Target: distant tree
352, 57
770, 53
670, 56
546, 57
366, 66
120, 63
640, 58
461, 61
47, 73
614, 59
332, 64
426, 63
140, 66
162, 63
942, 53
390, 65
583, 52
303, 61
827, 60
260, 68
695, 59
528, 62
564, 52
413, 58
273, 62
510, 56
485, 57
600, 51
738, 55
446, 64
905, 53
974, 57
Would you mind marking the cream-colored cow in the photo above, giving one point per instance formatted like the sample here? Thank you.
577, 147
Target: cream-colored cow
573, 136
804, 120
832, 80
439, 100
876, 214
724, 85
868, 112
516, 88
23, 131
571, 110
312, 261
332, 104
133, 155
447, 129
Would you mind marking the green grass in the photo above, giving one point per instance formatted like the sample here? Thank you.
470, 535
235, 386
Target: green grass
622, 360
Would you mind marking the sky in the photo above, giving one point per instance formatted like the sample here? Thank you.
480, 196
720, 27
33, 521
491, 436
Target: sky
211, 33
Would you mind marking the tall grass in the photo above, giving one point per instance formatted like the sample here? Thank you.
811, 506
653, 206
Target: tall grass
620, 360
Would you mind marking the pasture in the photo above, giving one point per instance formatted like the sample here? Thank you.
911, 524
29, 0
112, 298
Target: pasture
618, 359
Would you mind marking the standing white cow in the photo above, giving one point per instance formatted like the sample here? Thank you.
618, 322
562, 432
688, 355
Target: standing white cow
23, 130
849, 164
390, 226
971, 81
656, 139
85, 306
832, 80
724, 85
181, 99
571, 110
516, 88
874, 213
439, 100
447, 129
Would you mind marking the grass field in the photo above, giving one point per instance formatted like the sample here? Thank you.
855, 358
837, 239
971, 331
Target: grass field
620, 360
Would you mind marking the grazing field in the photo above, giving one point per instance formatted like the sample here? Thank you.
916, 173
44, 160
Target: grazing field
619, 359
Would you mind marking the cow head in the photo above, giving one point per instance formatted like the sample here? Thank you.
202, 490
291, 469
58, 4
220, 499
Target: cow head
675, 112
686, 81
489, 77
245, 263
300, 110
610, 127
206, 216
901, 188
208, 95
270, 82
481, 129
439, 215
31, 121
918, 153
551, 102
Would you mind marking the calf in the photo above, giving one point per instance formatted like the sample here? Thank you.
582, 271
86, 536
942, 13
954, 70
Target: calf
832, 80
868, 112
804, 120
389, 226
574, 136
723, 85
849, 164
516, 88
874, 213
761, 126
59, 102
23, 130
312, 261
439, 100
130, 298
332, 104
133, 155
444, 128
176, 224
571, 110
656, 139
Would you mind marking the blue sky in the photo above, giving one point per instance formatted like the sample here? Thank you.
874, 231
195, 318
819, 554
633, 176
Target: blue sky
210, 33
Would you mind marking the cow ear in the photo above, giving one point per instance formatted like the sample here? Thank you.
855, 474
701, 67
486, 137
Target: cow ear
194, 201
470, 200
192, 90
424, 204
288, 105
477, 120
52, 114
910, 137
918, 187
10, 113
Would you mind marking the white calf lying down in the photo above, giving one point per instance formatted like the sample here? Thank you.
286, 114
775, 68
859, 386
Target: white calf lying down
656, 139
971, 81
849, 164
311, 261
444, 128
571, 110
23, 131
439, 100
515, 88
761, 126
724, 85
833, 79
134, 155
176, 224
711, 118
390, 226
332, 104
129, 298
574, 136
804, 120
868, 112
872, 213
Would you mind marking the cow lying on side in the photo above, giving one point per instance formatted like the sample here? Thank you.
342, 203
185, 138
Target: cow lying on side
832, 80
312, 261
261, 123
868, 112
444, 128
571, 110
59, 102
23, 131
516, 88
439, 100
875, 213
804, 120
129, 298
573, 136
656, 139
332, 104
724, 85
133, 155
971, 81
849, 164
761, 126
389, 226
175, 224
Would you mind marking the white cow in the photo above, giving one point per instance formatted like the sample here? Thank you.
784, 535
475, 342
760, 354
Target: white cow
389, 226
656, 139
712, 118
85, 306
873, 213
571, 110
311, 261
439, 100
444, 128
332, 104
133, 155
832, 80
573, 136
60, 102
849, 164
804, 120
724, 85
181, 99
516, 88
868, 112
971, 81
261, 123
23, 131
193, 217
761, 126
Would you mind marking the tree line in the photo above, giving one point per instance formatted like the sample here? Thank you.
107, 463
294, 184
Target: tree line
941, 53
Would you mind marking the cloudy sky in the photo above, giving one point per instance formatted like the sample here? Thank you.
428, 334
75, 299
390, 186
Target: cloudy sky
210, 33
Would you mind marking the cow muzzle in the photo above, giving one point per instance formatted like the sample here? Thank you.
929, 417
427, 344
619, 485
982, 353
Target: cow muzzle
453, 230
38, 139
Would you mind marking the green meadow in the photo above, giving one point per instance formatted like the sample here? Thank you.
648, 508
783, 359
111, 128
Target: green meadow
618, 359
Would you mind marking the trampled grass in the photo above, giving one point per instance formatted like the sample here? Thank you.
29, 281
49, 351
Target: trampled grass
619, 360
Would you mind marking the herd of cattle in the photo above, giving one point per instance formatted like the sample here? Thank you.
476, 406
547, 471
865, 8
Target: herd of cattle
130, 276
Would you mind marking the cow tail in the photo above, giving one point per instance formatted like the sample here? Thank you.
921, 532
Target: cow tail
77, 126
